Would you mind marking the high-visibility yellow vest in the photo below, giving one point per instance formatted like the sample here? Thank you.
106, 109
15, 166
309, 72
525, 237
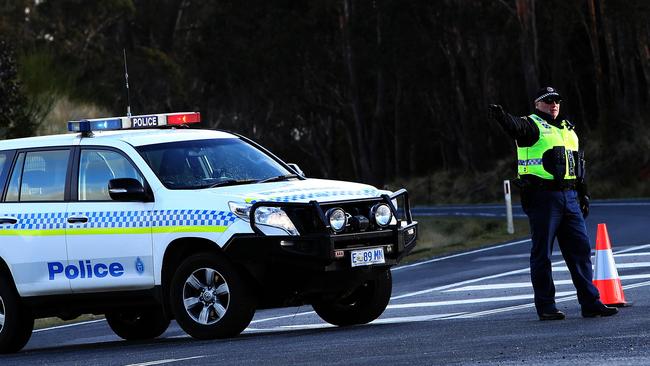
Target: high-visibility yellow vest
530, 159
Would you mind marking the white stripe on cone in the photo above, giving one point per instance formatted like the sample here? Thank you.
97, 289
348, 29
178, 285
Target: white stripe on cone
605, 268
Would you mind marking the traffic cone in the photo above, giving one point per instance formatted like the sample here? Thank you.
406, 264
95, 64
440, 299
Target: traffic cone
605, 274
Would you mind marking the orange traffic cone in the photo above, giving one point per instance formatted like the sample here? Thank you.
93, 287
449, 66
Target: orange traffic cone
605, 274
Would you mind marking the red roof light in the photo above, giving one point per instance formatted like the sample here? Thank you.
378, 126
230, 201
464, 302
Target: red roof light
183, 118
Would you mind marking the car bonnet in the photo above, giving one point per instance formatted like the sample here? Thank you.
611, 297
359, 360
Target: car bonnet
298, 191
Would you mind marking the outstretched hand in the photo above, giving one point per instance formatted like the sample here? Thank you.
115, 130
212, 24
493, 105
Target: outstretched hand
496, 112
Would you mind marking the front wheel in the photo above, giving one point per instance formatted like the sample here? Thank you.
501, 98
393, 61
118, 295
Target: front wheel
365, 304
138, 324
16, 322
209, 298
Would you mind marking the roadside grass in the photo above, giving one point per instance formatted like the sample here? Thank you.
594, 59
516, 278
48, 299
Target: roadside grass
54, 322
436, 236
445, 235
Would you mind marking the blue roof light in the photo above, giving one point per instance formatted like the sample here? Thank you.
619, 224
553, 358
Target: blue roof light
79, 126
107, 124
95, 125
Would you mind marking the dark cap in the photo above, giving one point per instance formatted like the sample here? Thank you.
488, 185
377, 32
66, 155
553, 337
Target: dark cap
548, 93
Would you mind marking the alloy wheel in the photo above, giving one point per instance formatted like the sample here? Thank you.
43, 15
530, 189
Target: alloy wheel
206, 296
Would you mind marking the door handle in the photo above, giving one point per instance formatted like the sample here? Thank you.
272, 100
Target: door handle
77, 220
7, 220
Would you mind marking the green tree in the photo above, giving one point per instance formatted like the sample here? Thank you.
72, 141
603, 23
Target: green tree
14, 118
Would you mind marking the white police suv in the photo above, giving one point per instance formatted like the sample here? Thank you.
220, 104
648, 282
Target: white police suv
144, 221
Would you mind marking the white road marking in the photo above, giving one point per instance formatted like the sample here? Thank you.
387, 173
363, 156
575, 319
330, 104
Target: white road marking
458, 255
444, 287
632, 249
305, 326
169, 360
507, 256
618, 266
416, 318
531, 305
502, 286
393, 320
469, 301
640, 254
555, 253
282, 317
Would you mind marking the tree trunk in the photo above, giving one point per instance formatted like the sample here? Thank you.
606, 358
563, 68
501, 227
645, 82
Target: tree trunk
592, 32
643, 47
612, 62
528, 45
359, 140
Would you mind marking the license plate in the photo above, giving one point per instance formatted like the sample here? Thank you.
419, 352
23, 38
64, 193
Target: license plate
367, 257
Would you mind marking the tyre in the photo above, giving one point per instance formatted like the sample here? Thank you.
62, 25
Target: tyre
209, 298
362, 306
16, 322
138, 324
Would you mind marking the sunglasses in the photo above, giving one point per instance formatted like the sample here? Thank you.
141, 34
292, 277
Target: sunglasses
551, 101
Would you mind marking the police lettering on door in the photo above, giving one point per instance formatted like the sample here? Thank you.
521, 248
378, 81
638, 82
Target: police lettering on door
85, 269
144, 121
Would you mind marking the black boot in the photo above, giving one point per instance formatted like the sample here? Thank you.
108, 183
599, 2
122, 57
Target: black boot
598, 309
552, 314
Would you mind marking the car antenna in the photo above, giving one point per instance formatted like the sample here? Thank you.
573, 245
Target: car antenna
126, 78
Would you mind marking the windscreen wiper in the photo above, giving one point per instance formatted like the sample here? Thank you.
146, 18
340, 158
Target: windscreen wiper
232, 182
279, 178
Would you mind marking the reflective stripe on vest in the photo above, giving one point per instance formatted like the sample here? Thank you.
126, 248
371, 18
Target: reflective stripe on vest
529, 159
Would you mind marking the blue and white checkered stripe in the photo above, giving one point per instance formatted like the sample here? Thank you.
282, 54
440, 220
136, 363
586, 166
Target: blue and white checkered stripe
113, 219
164, 218
316, 195
36, 221
121, 219
530, 162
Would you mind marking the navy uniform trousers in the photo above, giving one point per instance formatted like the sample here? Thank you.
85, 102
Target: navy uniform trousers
556, 214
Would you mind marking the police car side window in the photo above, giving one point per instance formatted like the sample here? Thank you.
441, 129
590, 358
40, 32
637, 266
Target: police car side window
97, 168
39, 176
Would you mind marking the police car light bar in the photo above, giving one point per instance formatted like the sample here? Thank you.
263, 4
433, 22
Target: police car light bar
134, 122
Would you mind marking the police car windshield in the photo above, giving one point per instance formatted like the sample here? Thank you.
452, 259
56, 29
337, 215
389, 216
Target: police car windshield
201, 164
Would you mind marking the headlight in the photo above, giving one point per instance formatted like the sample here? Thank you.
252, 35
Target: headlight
275, 216
242, 210
337, 219
271, 216
381, 214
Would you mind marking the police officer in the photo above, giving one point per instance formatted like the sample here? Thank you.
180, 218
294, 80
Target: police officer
554, 196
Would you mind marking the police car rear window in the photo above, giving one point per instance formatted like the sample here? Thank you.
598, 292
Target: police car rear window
5, 163
205, 163
39, 176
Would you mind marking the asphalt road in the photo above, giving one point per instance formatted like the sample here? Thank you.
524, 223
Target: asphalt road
466, 308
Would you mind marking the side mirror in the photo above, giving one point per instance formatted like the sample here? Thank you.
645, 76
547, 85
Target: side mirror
296, 169
127, 189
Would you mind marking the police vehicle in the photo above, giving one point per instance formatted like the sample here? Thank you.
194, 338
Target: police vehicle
144, 221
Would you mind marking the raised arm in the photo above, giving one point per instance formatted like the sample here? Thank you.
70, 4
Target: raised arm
519, 128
